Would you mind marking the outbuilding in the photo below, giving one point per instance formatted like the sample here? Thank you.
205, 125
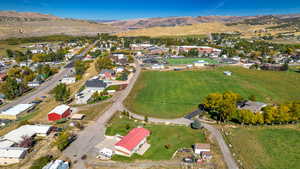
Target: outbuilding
199, 148
14, 112
59, 112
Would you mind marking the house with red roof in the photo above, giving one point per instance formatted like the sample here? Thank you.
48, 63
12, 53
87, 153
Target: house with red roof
135, 140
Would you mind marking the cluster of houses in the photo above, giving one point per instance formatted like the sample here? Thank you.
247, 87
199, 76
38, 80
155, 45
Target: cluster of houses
12, 147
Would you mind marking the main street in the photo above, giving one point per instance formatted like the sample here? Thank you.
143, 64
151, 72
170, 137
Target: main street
46, 86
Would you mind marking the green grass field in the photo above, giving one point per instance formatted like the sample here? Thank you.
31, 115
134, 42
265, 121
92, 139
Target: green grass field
267, 148
181, 137
174, 94
180, 61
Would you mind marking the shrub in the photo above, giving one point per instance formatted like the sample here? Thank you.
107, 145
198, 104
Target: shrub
41, 162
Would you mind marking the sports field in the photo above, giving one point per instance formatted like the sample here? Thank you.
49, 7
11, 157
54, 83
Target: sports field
181, 61
174, 94
267, 148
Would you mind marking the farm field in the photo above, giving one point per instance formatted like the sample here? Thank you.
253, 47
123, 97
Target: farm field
267, 148
175, 94
182, 137
174, 61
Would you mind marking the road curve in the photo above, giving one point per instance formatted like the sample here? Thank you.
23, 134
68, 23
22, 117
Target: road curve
229, 160
45, 87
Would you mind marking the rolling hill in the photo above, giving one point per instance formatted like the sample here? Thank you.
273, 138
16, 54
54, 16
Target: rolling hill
27, 24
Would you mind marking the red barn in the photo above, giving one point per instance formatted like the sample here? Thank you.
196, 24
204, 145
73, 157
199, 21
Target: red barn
59, 112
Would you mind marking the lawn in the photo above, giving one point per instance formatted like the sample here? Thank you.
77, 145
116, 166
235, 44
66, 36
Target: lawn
160, 136
180, 61
267, 148
174, 94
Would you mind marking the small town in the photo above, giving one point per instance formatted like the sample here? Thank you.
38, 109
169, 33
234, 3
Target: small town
148, 93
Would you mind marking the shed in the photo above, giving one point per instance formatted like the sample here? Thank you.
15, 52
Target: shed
199, 148
77, 116
59, 112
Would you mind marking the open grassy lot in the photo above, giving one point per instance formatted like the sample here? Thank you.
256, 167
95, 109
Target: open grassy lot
177, 61
160, 136
267, 148
174, 94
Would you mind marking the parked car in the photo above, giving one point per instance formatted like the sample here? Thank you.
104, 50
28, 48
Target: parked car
36, 101
188, 160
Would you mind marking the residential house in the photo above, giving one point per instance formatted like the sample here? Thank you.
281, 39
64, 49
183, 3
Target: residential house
95, 85
200, 63
107, 74
34, 83
120, 69
132, 142
157, 66
59, 112
16, 136
254, 107
12, 155
68, 80
199, 148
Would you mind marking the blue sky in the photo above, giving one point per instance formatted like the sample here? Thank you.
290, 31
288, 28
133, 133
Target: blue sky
128, 9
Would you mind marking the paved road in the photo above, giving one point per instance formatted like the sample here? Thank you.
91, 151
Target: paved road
94, 133
46, 86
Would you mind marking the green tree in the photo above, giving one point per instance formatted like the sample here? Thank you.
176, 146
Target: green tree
61, 92
62, 140
80, 68
103, 63
11, 88
9, 53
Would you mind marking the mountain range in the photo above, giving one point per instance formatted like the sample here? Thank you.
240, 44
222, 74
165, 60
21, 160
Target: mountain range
25, 24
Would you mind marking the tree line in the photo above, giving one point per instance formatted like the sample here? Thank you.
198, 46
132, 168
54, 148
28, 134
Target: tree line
224, 107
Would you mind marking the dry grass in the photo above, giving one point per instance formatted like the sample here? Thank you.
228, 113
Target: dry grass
42, 28
197, 29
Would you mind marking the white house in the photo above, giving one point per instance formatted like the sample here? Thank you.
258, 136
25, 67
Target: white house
12, 155
200, 63
34, 83
68, 80
120, 69
17, 135
157, 66
199, 148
